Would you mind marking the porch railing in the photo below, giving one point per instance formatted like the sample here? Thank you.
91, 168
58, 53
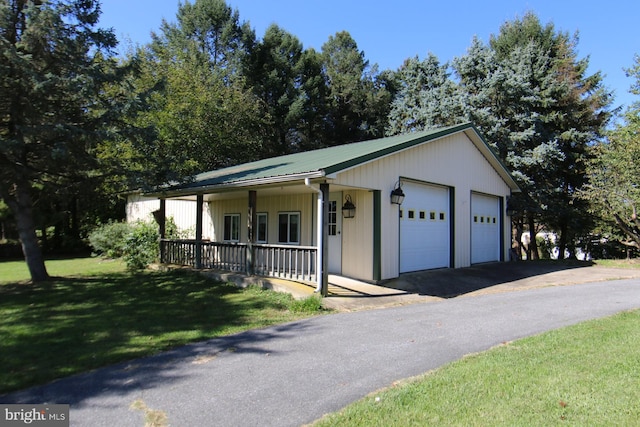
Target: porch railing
284, 261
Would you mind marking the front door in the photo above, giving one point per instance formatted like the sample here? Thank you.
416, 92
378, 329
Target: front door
335, 233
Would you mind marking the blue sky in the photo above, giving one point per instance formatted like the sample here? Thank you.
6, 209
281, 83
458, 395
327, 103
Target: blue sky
391, 31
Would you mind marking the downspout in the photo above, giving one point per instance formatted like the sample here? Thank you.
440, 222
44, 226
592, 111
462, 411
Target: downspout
320, 210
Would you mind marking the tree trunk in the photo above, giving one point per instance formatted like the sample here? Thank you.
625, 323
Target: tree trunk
21, 206
533, 244
519, 230
562, 242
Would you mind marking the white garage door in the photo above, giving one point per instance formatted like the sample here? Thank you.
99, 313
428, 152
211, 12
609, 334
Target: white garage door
485, 228
425, 227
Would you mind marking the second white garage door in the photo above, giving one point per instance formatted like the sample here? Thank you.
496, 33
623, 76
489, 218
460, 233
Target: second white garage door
485, 228
425, 227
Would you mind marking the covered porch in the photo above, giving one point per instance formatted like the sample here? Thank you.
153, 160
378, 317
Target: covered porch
292, 231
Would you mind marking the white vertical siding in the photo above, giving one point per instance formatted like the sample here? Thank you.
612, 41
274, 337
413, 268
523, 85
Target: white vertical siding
183, 212
272, 206
357, 237
451, 161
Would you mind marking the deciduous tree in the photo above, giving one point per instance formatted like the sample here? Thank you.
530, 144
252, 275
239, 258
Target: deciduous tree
614, 174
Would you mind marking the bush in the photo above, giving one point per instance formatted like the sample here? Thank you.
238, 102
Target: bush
110, 239
141, 246
310, 305
136, 243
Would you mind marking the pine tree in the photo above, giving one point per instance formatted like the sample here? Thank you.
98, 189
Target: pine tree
426, 97
55, 64
358, 98
276, 78
530, 96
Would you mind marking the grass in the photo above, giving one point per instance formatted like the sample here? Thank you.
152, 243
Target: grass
619, 263
586, 374
17, 271
99, 314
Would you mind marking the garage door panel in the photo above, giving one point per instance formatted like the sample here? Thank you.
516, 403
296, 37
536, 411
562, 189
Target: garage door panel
485, 228
424, 228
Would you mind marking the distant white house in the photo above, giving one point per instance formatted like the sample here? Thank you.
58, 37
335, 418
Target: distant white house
289, 216
550, 240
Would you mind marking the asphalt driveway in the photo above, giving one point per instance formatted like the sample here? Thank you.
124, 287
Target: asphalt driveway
292, 374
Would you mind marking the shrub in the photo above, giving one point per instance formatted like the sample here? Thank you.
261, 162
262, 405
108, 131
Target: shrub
110, 239
141, 246
310, 305
545, 247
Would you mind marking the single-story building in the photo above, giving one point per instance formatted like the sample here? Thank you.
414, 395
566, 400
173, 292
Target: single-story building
370, 210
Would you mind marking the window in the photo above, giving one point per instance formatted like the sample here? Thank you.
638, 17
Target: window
261, 233
442, 216
432, 216
232, 227
289, 227
400, 213
412, 214
423, 215
333, 218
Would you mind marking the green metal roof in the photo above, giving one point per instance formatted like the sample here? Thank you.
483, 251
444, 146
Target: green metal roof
316, 163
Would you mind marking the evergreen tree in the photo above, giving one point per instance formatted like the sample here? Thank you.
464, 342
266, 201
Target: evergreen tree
530, 96
212, 31
358, 98
276, 77
55, 65
313, 126
577, 119
426, 97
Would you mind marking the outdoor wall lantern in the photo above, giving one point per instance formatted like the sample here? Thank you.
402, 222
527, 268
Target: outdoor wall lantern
397, 195
348, 209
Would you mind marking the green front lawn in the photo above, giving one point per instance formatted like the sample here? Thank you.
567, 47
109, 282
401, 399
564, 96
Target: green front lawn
99, 314
17, 271
584, 375
619, 263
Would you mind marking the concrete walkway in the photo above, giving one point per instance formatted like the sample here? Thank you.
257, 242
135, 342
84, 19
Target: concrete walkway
294, 373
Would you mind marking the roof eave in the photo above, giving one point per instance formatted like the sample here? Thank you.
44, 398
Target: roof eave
223, 187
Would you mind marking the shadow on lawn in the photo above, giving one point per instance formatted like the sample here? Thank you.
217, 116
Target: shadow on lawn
65, 326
